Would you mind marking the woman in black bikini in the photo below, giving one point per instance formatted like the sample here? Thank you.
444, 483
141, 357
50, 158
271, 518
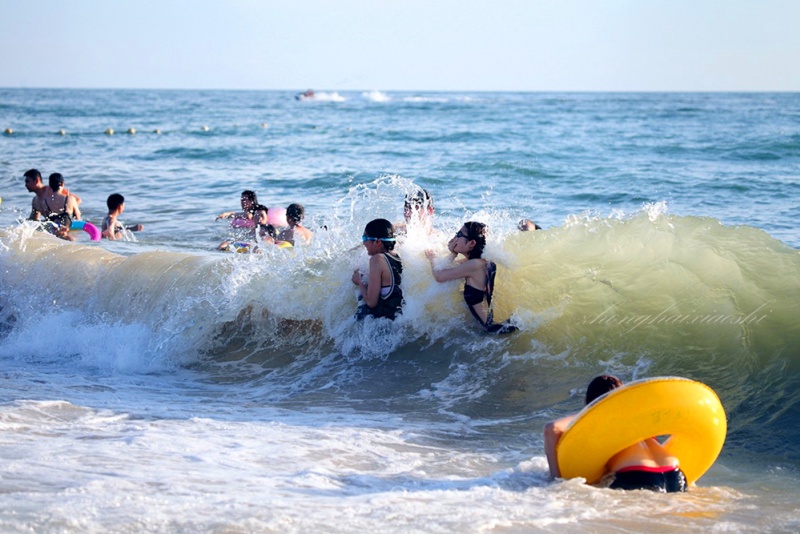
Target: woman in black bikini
478, 274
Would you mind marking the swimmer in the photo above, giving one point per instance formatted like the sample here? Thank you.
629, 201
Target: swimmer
60, 201
244, 218
644, 465
295, 214
526, 225
265, 235
112, 228
33, 183
478, 274
379, 292
417, 211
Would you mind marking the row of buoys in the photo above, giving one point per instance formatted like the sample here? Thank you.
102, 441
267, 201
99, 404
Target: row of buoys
130, 131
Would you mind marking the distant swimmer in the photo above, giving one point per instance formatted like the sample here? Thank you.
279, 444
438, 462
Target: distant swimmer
295, 214
417, 212
379, 292
60, 201
644, 465
265, 234
33, 183
526, 225
243, 219
113, 229
478, 274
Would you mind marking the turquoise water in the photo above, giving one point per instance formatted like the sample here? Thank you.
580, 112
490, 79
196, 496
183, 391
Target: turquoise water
156, 384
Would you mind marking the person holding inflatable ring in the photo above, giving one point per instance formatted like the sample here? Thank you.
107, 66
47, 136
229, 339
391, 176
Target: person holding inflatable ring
644, 465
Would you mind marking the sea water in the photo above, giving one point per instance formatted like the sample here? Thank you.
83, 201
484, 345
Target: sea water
154, 384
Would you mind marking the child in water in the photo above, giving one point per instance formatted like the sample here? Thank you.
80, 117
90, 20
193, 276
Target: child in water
380, 294
112, 227
295, 214
478, 274
263, 234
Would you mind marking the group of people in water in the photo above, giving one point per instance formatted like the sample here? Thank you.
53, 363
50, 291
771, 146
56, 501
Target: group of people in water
380, 288
256, 225
58, 209
644, 465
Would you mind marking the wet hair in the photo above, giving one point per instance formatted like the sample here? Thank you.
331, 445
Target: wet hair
114, 201
250, 195
32, 174
269, 230
295, 213
259, 207
56, 181
383, 229
476, 231
600, 385
420, 199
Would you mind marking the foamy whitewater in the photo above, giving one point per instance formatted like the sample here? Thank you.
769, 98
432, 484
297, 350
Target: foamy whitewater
157, 385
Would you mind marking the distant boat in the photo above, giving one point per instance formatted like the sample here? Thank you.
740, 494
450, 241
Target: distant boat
307, 95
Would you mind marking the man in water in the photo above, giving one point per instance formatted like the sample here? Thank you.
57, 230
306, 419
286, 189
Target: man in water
33, 183
644, 465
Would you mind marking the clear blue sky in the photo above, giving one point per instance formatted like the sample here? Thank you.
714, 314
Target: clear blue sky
513, 45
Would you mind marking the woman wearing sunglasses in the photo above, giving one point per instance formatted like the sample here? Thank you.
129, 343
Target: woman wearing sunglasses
478, 274
380, 294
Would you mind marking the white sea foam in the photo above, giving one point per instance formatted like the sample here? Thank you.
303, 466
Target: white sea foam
159, 385
375, 96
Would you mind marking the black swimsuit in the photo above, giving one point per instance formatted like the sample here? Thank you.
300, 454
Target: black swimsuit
474, 296
391, 305
661, 480
60, 217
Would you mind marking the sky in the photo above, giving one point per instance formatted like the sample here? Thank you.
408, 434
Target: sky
403, 45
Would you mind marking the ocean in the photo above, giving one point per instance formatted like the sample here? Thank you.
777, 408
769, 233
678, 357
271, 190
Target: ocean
155, 384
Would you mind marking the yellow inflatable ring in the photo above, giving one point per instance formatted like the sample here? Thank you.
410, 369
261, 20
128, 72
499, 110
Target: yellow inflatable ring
690, 412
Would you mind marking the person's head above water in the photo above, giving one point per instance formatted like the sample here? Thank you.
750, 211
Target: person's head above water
114, 201
419, 203
33, 180
380, 230
600, 385
295, 214
474, 231
249, 199
56, 181
526, 225
260, 213
32, 175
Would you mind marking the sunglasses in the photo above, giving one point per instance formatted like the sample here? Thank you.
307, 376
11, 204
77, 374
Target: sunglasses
364, 239
465, 236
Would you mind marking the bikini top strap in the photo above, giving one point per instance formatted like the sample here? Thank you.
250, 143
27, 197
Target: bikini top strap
491, 271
